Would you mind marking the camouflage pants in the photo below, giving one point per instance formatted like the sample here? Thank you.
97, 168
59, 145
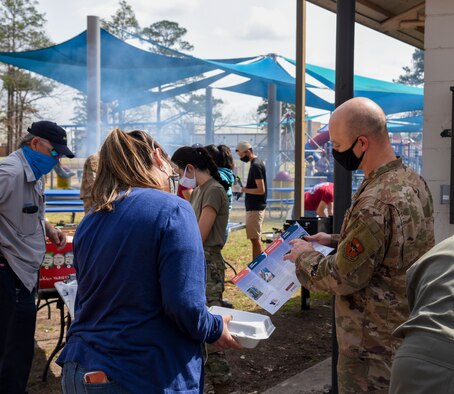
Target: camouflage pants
357, 375
217, 369
215, 271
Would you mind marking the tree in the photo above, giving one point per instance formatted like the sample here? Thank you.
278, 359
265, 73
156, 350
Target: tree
262, 110
414, 75
21, 28
79, 118
195, 106
189, 117
123, 22
191, 106
168, 34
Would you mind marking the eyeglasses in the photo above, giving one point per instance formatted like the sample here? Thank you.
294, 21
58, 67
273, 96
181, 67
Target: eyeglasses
52, 150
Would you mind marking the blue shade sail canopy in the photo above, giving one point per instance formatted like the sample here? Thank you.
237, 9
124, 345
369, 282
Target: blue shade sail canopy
284, 92
409, 124
129, 75
124, 68
392, 97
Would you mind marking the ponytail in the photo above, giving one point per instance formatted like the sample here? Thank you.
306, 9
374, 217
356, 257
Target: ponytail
208, 161
199, 158
222, 155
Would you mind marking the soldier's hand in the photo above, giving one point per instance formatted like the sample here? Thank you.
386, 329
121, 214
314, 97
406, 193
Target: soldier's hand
299, 246
226, 341
321, 238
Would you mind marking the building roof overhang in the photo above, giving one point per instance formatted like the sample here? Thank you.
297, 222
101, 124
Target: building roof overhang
402, 19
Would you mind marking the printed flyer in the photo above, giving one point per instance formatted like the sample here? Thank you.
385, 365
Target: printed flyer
269, 280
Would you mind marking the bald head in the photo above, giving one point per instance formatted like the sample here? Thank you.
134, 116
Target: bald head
361, 116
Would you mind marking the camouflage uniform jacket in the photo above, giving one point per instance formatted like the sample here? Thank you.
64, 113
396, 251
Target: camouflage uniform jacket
387, 228
89, 175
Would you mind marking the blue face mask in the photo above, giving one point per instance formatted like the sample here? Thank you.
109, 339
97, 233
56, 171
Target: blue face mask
40, 163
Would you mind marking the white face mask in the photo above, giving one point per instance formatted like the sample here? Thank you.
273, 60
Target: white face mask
190, 183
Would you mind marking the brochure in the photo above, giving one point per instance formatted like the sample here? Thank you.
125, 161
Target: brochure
269, 280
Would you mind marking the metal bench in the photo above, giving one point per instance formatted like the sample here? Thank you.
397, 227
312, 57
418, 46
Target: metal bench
64, 203
65, 209
59, 201
279, 204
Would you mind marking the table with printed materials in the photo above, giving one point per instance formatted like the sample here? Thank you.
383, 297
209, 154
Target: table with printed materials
57, 266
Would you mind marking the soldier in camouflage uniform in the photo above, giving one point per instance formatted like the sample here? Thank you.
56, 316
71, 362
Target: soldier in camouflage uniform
88, 179
387, 228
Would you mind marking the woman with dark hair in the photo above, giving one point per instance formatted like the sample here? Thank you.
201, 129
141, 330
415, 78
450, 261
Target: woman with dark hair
209, 200
222, 156
140, 313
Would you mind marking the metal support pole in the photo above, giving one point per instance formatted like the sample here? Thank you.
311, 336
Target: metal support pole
273, 133
93, 138
345, 48
451, 188
209, 127
300, 110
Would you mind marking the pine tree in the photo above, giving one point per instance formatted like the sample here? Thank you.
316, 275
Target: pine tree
21, 29
170, 35
414, 75
123, 22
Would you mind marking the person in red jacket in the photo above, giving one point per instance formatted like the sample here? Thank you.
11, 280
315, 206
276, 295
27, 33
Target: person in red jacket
319, 200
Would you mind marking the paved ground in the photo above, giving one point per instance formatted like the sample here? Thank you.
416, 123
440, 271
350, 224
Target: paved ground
315, 380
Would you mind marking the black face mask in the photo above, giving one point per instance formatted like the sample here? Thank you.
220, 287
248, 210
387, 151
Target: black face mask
245, 159
347, 158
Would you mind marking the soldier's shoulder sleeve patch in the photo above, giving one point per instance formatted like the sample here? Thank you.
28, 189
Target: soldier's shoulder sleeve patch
359, 243
353, 249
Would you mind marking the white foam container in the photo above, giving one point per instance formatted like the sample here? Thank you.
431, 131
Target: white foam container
247, 327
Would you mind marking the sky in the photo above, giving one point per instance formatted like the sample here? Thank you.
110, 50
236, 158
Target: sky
236, 28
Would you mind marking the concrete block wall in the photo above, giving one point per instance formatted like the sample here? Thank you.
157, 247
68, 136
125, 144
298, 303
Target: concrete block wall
438, 78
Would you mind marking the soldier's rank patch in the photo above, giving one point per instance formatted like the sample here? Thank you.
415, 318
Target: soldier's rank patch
353, 249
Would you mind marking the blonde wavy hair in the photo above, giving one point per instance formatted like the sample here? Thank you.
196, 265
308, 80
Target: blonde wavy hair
126, 160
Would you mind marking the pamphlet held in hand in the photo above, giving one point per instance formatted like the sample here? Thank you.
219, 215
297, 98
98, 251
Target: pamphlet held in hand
269, 280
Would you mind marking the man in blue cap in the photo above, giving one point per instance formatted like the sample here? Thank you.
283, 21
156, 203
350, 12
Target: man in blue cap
23, 232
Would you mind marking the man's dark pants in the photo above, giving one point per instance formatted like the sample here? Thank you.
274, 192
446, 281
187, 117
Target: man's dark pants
17, 330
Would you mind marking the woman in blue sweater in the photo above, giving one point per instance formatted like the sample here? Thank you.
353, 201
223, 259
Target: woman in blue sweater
140, 313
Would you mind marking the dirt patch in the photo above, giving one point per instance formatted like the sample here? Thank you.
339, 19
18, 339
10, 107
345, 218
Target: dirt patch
301, 339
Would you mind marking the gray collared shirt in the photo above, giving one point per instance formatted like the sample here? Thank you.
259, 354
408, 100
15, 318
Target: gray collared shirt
22, 232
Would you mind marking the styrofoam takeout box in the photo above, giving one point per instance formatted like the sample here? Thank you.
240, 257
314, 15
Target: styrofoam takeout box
249, 328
